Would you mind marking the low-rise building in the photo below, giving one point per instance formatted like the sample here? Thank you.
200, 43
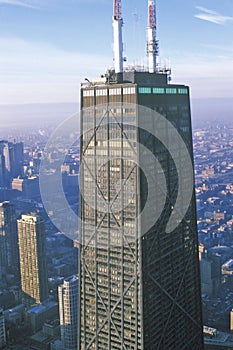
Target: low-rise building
38, 315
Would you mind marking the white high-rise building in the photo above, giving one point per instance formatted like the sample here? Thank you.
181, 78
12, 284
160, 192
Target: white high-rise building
68, 309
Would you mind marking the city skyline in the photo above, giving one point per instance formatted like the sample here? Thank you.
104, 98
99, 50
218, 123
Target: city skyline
46, 51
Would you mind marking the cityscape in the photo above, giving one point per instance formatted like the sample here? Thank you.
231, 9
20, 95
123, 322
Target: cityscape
213, 165
116, 212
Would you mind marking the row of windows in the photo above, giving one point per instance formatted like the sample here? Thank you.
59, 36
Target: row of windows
115, 91
88, 93
129, 91
159, 90
183, 91
102, 92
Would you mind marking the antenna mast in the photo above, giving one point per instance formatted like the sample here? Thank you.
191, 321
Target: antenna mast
152, 43
117, 32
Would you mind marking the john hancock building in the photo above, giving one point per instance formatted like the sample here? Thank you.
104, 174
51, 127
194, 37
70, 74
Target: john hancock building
139, 281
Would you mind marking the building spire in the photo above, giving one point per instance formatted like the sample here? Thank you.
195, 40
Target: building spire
117, 32
152, 43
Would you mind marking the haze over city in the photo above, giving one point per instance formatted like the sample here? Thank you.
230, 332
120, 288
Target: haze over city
48, 48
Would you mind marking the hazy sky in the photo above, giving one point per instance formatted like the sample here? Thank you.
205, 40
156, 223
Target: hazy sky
47, 47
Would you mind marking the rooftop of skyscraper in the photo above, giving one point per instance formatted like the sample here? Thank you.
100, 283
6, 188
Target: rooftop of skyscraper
32, 217
71, 279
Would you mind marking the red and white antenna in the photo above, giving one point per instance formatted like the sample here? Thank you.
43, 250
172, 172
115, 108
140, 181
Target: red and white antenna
117, 33
152, 43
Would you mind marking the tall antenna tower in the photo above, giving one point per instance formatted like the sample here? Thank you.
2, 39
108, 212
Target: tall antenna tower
152, 43
117, 33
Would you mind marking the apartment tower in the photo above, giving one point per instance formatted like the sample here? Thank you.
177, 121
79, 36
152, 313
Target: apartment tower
68, 310
32, 252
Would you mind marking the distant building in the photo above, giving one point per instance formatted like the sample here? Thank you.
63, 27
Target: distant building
2, 329
38, 315
49, 335
57, 345
65, 169
218, 216
11, 162
216, 340
18, 184
2, 171
40, 341
44, 339
33, 266
15, 315
27, 187
231, 320
227, 267
230, 222
17, 159
210, 268
68, 309
52, 328
9, 253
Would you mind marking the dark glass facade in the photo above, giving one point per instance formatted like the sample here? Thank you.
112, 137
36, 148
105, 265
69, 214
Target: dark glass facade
9, 252
139, 288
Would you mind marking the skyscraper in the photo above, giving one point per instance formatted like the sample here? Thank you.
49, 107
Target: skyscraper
139, 283
11, 161
32, 252
9, 252
68, 310
2, 170
17, 159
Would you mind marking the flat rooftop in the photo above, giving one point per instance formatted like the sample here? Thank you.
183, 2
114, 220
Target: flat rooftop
133, 77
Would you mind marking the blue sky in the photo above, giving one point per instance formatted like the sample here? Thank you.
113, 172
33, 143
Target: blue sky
47, 47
